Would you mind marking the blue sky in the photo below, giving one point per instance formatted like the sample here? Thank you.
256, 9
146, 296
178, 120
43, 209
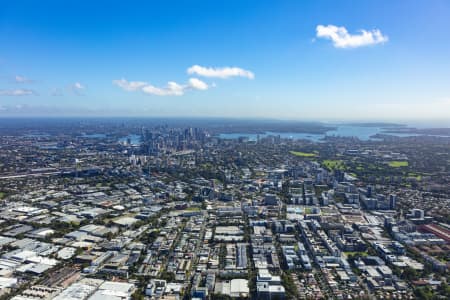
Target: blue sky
292, 59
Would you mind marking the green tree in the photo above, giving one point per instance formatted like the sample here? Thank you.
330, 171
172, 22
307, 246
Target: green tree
137, 295
168, 276
409, 274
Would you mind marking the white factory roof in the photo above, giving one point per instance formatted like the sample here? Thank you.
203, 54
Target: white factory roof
238, 287
80, 290
6, 282
113, 291
125, 221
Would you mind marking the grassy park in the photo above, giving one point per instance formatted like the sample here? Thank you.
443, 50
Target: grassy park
398, 163
303, 154
334, 164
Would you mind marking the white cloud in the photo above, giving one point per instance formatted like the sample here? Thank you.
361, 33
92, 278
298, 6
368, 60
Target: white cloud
197, 84
171, 89
130, 85
78, 88
342, 39
22, 79
17, 92
225, 72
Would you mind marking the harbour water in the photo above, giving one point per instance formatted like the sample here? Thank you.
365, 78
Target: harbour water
363, 133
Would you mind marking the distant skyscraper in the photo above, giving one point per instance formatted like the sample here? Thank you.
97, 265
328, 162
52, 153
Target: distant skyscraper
392, 201
369, 191
417, 213
339, 175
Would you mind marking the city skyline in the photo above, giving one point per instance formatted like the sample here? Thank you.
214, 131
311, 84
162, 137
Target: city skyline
299, 61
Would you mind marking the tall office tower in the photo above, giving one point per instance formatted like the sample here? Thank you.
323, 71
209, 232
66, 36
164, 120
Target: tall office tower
392, 201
